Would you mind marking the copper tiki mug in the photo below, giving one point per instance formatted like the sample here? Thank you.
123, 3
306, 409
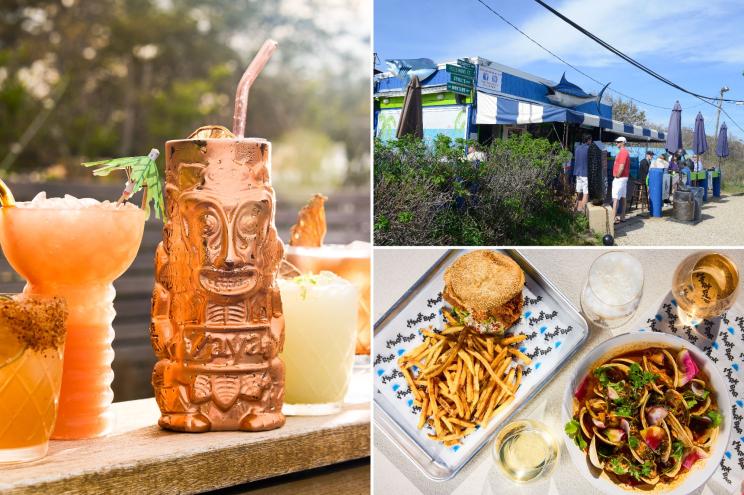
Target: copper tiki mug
217, 324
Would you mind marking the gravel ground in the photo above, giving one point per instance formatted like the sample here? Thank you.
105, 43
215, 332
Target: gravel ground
722, 225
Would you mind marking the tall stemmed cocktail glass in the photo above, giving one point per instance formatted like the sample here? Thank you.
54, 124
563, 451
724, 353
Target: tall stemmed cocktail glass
75, 249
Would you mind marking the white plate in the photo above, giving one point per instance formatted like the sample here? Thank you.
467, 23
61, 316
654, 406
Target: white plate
703, 469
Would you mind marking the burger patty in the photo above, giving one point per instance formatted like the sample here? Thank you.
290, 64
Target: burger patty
498, 320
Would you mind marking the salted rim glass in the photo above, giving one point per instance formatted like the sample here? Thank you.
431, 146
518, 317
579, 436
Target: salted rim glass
36, 365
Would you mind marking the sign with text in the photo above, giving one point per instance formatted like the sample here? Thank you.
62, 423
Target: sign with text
489, 78
460, 71
467, 81
459, 88
464, 63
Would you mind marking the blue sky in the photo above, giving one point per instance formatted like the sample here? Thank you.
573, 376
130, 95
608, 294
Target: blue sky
697, 44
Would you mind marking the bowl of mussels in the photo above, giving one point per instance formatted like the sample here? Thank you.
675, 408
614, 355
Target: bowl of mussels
646, 412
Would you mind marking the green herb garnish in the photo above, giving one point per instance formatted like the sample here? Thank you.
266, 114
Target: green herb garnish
678, 448
643, 470
573, 430
715, 417
616, 466
639, 378
633, 442
601, 374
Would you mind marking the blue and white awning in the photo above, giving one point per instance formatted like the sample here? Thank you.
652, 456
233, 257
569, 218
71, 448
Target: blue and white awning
501, 110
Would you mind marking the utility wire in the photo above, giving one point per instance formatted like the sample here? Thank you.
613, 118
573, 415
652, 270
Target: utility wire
566, 62
629, 59
635, 63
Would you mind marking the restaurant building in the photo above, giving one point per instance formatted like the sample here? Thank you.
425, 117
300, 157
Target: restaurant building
501, 101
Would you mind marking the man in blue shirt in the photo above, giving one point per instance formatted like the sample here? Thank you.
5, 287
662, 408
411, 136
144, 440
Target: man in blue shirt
580, 170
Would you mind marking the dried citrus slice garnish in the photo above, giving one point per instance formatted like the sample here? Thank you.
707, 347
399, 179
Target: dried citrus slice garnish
310, 229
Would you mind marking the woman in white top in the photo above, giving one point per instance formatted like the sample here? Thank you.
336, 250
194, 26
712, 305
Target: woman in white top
660, 162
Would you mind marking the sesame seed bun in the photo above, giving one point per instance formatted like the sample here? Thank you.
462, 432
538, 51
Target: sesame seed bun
486, 284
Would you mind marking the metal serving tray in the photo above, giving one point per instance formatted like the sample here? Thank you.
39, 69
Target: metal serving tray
554, 329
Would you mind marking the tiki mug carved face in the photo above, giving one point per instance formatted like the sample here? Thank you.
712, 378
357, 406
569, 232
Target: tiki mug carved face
216, 308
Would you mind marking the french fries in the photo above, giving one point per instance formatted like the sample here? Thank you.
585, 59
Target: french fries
461, 379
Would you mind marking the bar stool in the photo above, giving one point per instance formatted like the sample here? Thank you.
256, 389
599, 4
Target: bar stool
640, 194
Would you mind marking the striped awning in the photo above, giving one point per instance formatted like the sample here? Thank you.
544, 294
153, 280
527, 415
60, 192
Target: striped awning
493, 109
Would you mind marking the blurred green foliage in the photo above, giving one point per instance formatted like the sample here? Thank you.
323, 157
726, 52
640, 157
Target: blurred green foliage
83, 80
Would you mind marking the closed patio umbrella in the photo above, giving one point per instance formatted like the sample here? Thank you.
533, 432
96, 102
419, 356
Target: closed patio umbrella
722, 145
412, 116
674, 133
699, 140
722, 151
700, 146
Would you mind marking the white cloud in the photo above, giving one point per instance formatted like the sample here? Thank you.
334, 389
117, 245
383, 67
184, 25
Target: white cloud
643, 29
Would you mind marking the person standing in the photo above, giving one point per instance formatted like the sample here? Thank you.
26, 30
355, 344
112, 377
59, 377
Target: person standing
581, 172
645, 165
620, 174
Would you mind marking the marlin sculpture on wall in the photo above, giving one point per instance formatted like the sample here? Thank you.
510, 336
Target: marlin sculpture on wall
405, 68
567, 94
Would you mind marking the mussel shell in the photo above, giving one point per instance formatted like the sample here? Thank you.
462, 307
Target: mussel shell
593, 456
606, 440
677, 406
585, 427
675, 370
674, 470
668, 451
700, 409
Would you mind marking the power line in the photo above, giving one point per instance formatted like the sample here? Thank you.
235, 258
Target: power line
627, 58
566, 62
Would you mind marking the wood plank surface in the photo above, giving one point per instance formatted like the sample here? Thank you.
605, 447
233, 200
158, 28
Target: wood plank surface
139, 457
349, 478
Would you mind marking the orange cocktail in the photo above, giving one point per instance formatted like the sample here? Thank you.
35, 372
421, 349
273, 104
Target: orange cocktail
32, 334
75, 249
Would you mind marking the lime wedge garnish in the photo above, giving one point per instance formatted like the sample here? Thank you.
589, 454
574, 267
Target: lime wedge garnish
10, 348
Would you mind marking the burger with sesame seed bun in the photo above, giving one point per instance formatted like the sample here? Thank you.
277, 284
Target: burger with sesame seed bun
485, 290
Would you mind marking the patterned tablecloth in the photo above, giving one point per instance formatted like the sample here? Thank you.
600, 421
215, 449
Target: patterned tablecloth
722, 339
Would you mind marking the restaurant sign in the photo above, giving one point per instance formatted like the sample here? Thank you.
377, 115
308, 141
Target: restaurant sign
489, 79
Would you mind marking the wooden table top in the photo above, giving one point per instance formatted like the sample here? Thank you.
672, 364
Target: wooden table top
139, 457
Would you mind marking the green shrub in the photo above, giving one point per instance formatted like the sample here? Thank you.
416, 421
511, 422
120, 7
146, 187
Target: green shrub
434, 195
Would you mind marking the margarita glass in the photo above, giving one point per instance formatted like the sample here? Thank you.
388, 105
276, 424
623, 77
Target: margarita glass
350, 261
75, 249
320, 314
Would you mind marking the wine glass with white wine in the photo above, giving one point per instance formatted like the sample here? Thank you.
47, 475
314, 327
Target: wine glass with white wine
705, 285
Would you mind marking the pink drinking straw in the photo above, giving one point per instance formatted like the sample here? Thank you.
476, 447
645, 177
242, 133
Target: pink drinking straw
244, 86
